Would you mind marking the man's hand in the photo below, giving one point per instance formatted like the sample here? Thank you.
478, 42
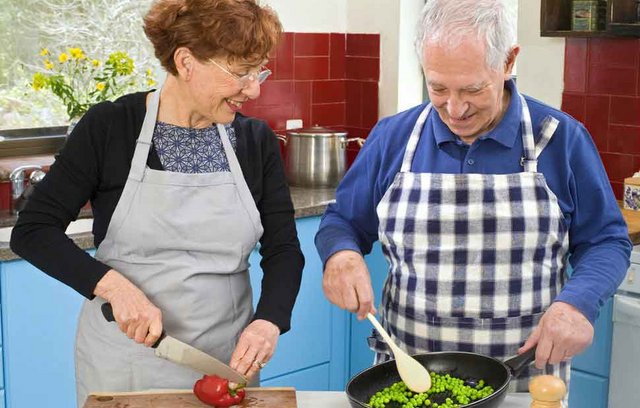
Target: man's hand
136, 316
563, 332
347, 283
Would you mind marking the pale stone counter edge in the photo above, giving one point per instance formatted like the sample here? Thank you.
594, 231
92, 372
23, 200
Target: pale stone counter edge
307, 202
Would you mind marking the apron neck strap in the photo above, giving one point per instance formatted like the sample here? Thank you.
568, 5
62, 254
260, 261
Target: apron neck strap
141, 153
413, 140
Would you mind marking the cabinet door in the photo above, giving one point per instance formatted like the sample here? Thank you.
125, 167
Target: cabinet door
361, 355
597, 358
39, 326
318, 329
587, 390
310, 379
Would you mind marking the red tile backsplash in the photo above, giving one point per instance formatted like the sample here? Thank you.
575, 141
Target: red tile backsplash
605, 72
328, 91
620, 52
363, 45
575, 65
310, 44
625, 111
337, 57
610, 80
326, 79
596, 119
363, 68
574, 105
624, 139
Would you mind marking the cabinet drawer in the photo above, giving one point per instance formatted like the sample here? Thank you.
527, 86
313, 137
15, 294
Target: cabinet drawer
310, 379
596, 359
587, 390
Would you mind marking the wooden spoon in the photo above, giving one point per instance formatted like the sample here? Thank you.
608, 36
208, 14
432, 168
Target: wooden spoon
414, 374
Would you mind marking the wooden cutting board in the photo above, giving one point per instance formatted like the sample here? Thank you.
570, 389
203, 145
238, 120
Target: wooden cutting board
263, 397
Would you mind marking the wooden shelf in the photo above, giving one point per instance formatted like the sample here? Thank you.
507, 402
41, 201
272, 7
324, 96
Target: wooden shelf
555, 20
569, 33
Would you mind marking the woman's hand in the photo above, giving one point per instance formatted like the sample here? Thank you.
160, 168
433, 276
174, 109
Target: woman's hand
255, 347
136, 316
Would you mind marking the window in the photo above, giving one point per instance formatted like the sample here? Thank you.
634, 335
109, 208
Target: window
98, 27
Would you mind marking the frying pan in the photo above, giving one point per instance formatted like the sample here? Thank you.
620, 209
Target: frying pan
461, 364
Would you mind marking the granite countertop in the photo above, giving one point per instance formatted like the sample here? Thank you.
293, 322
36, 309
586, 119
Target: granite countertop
307, 202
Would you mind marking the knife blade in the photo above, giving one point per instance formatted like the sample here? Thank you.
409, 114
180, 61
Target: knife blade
176, 351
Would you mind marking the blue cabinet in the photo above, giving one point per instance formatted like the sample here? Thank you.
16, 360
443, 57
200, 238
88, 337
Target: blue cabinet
39, 317
589, 385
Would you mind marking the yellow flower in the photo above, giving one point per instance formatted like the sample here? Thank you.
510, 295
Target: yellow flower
76, 53
100, 86
39, 81
149, 72
48, 64
121, 62
44, 52
151, 82
63, 58
95, 63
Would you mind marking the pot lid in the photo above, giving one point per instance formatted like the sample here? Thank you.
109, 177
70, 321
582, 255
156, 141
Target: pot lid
316, 131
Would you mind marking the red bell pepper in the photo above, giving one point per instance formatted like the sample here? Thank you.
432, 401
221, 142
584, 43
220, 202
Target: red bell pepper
213, 390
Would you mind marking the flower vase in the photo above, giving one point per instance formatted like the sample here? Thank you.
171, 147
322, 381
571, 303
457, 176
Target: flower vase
72, 124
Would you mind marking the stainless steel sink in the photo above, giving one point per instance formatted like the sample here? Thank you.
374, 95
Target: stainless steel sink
76, 227
21, 142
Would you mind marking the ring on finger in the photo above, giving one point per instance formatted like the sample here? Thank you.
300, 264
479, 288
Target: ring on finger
259, 364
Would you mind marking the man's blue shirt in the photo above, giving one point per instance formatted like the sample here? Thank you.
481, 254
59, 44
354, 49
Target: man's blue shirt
598, 237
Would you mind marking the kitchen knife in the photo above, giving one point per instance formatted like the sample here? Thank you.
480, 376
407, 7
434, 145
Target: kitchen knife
178, 352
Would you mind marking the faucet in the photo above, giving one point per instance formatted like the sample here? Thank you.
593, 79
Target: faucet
19, 193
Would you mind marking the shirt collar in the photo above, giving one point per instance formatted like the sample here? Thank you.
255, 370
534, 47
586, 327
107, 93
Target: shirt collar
504, 133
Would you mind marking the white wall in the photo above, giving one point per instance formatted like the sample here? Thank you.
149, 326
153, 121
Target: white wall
541, 60
400, 77
311, 16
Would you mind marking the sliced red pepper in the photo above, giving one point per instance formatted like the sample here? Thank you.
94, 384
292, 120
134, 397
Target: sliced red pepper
215, 391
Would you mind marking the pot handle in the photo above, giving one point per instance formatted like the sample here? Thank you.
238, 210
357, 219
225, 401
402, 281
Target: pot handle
358, 140
519, 362
282, 138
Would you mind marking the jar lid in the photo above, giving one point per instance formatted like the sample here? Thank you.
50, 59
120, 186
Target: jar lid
316, 131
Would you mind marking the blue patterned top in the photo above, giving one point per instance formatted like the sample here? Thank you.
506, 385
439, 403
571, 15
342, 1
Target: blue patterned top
189, 150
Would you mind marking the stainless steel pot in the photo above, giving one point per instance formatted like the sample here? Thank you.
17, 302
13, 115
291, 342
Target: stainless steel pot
316, 156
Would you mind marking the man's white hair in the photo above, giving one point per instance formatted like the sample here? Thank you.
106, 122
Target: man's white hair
447, 22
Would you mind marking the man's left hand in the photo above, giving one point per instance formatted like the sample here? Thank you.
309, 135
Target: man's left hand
563, 332
255, 347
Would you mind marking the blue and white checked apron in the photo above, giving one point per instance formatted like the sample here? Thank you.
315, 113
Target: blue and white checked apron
475, 259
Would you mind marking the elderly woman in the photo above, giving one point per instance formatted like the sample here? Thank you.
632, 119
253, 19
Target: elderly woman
182, 188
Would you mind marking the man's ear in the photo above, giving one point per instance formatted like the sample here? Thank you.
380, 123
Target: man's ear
184, 61
511, 61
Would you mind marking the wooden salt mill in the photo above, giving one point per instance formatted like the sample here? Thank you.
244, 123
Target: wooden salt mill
547, 391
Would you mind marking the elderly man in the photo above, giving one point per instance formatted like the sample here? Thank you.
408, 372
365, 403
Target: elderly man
478, 199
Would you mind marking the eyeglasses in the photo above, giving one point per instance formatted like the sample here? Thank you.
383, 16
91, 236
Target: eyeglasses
247, 79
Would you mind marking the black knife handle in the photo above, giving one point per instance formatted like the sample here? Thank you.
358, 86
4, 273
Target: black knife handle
107, 312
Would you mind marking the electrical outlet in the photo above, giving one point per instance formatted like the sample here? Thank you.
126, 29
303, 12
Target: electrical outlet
294, 124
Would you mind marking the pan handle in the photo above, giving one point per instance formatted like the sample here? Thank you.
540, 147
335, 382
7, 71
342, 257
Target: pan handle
107, 312
519, 362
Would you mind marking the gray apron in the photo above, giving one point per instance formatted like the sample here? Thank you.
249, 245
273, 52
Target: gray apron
184, 240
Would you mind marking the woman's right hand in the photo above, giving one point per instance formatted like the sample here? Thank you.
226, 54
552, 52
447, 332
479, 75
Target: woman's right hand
136, 316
